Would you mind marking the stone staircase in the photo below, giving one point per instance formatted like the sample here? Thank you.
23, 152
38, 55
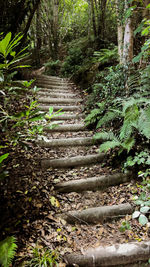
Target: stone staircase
74, 148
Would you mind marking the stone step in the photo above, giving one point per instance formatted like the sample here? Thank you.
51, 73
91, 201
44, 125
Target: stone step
126, 254
66, 128
58, 100
46, 90
63, 108
67, 117
93, 183
50, 82
51, 78
98, 214
54, 87
72, 162
54, 94
79, 141
53, 81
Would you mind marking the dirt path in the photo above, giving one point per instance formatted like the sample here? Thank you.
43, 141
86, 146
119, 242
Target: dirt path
86, 192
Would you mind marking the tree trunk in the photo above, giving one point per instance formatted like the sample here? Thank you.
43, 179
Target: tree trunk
29, 21
128, 39
38, 35
103, 12
55, 29
120, 34
93, 19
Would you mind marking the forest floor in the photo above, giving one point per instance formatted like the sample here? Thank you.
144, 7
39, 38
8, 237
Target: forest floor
30, 205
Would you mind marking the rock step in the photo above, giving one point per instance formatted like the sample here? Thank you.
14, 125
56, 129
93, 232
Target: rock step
54, 87
57, 83
55, 95
67, 117
72, 162
115, 255
84, 141
93, 183
58, 100
46, 90
52, 81
66, 128
63, 108
98, 214
51, 78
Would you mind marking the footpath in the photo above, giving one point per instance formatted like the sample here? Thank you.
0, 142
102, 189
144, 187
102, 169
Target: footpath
73, 161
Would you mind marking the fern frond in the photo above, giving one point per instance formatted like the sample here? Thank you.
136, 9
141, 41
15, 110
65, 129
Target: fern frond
105, 136
144, 122
126, 130
128, 144
7, 251
109, 145
109, 116
92, 117
94, 114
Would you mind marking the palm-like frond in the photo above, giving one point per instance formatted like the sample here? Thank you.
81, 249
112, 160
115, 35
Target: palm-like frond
109, 145
7, 251
144, 122
105, 136
109, 116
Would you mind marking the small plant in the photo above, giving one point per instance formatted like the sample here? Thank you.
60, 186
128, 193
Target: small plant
142, 158
136, 121
43, 258
7, 251
3, 173
144, 202
11, 59
52, 67
106, 55
95, 114
125, 226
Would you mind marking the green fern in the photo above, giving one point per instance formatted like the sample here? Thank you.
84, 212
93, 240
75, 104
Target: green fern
109, 145
109, 116
106, 55
7, 251
144, 122
105, 136
94, 114
114, 141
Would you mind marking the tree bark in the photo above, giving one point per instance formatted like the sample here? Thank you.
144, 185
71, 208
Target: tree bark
128, 39
120, 34
38, 35
93, 19
117, 254
94, 183
98, 214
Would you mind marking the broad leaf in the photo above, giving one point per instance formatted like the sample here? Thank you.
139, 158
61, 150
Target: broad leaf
135, 214
3, 157
4, 44
143, 219
145, 209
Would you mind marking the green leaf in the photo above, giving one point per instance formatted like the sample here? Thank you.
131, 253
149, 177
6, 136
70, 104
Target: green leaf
128, 144
7, 251
145, 209
3, 157
4, 44
136, 214
38, 117
109, 145
143, 219
51, 110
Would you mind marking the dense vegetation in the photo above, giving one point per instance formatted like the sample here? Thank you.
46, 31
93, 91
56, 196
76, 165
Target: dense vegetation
104, 47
